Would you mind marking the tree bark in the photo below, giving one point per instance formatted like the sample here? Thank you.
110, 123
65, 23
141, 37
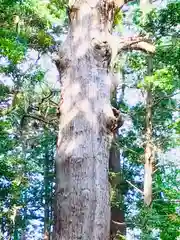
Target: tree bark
87, 122
149, 152
82, 192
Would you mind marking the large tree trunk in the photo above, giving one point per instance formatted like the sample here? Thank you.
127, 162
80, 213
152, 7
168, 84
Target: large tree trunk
82, 208
82, 191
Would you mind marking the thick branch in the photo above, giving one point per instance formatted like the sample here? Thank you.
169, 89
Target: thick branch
136, 43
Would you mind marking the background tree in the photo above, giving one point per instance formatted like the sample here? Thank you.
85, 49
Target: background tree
164, 84
27, 111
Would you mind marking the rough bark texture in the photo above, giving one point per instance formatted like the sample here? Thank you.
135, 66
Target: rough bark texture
149, 152
82, 208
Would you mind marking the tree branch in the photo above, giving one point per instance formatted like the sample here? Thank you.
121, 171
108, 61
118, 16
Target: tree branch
135, 187
51, 101
118, 223
136, 43
46, 97
36, 117
165, 97
173, 109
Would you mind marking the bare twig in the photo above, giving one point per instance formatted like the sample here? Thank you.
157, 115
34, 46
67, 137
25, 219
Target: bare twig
155, 171
169, 201
118, 223
51, 101
165, 97
126, 148
46, 97
173, 109
37, 117
135, 187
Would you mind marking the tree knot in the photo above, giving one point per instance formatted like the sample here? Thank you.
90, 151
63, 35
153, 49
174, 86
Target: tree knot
116, 121
102, 50
61, 62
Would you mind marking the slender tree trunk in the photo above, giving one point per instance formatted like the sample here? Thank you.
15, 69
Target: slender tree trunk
117, 213
3, 224
46, 197
146, 6
24, 231
52, 179
114, 158
149, 152
16, 235
82, 191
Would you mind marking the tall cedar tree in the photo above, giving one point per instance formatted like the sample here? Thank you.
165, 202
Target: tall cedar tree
82, 206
